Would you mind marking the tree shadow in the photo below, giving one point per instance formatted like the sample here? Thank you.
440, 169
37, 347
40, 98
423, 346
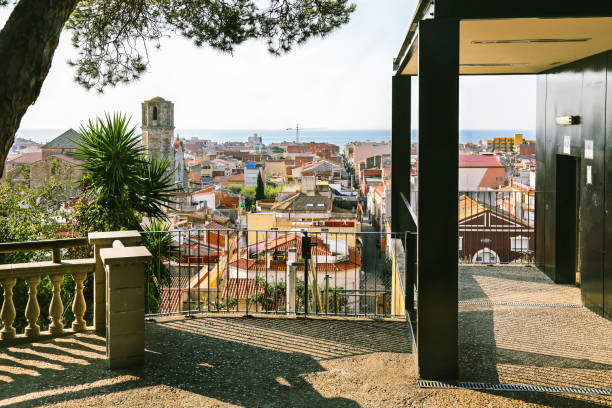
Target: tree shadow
248, 362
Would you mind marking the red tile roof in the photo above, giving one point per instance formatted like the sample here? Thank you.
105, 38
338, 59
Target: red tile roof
467, 160
170, 300
27, 158
215, 226
206, 190
194, 177
241, 288
67, 158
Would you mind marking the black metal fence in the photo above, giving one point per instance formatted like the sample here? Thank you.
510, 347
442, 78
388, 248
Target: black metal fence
279, 272
496, 227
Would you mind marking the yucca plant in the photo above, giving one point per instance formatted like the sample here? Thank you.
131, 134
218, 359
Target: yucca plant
158, 240
119, 178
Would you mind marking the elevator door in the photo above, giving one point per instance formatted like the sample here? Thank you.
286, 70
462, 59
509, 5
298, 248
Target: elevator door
567, 219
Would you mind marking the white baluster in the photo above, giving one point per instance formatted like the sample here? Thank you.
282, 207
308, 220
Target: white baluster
7, 315
32, 309
56, 309
78, 304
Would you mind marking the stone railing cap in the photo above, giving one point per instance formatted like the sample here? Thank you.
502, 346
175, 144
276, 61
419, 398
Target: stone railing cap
125, 255
130, 237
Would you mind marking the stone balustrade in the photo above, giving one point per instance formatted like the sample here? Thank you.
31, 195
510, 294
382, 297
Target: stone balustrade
33, 273
118, 310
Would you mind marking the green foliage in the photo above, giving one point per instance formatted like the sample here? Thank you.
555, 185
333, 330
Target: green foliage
250, 194
259, 190
121, 183
337, 300
29, 213
271, 192
158, 241
113, 36
221, 304
269, 295
32, 214
277, 149
235, 189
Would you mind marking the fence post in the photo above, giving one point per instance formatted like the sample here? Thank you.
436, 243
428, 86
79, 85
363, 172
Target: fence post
410, 263
291, 300
125, 293
101, 240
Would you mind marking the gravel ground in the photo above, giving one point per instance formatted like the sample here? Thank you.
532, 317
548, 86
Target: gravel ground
226, 361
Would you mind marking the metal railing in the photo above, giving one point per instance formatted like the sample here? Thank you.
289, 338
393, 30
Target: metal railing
496, 227
409, 222
270, 271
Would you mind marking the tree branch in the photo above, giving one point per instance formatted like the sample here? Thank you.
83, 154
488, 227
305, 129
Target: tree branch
27, 44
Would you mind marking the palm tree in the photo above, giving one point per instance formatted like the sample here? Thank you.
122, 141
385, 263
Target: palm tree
119, 178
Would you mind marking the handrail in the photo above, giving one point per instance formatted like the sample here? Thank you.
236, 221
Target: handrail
28, 269
413, 218
45, 244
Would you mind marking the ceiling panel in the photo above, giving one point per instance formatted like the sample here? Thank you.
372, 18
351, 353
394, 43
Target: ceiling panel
525, 46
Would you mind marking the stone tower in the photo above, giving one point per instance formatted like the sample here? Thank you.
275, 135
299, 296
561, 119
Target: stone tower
158, 128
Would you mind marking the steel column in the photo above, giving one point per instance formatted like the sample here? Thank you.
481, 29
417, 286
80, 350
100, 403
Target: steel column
400, 149
437, 314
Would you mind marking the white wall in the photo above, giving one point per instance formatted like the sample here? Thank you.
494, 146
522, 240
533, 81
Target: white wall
208, 198
469, 178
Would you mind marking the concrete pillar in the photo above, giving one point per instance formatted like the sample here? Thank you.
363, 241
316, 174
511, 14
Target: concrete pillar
437, 313
124, 267
101, 240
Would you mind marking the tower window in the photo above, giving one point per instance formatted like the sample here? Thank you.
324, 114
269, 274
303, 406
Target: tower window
155, 113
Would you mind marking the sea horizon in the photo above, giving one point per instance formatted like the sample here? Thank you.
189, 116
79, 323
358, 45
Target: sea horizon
338, 137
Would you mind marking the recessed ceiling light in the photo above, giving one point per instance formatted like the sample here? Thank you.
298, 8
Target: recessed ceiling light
532, 40
515, 64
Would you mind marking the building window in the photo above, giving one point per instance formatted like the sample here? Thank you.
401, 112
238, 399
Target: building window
519, 244
155, 113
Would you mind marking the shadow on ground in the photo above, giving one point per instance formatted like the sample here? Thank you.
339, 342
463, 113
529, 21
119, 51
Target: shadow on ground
558, 346
249, 362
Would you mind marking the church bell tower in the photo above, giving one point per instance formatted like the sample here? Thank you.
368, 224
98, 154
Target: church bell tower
158, 128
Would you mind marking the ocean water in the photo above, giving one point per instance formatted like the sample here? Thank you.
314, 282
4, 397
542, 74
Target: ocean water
337, 137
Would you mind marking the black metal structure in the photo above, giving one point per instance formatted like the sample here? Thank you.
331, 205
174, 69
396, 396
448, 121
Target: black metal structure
434, 37
573, 215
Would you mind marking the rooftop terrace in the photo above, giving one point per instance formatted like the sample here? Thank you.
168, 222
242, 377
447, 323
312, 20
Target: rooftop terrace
276, 361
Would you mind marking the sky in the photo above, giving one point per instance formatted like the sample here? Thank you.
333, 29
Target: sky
342, 81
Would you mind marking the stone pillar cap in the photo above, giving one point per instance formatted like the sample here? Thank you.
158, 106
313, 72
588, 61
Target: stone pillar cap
131, 237
126, 255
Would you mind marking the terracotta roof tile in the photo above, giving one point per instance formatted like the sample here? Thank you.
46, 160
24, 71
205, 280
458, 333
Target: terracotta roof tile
27, 158
240, 288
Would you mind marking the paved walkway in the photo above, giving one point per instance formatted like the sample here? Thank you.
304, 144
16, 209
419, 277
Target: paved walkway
556, 342
279, 362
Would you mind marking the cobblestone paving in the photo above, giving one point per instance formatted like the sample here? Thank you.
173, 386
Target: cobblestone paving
278, 362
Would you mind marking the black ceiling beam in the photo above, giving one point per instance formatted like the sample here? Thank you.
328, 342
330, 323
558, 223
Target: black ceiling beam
488, 9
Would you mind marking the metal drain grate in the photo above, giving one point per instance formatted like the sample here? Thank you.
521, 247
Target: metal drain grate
516, 387
470, 302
